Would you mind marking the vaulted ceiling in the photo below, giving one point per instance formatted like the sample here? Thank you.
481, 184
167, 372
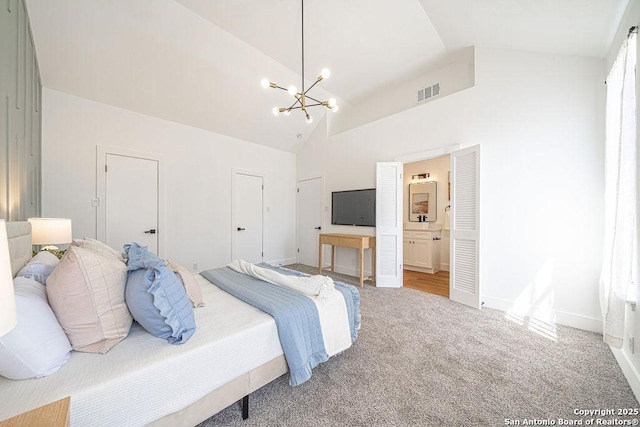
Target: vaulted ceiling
200, 62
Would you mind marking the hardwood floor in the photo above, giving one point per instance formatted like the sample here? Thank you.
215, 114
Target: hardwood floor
433, 283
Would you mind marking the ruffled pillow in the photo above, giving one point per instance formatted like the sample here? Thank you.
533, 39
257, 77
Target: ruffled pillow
157, 300
140, 257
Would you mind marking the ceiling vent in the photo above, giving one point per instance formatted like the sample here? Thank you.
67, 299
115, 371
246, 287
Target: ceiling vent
428, 92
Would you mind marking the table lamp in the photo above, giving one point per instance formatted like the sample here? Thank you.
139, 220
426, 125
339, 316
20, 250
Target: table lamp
50, 232
8, 318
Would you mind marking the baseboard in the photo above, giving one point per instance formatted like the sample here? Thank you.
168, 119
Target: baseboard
629, 371
444, 267
420, 269
561, 317
285, 261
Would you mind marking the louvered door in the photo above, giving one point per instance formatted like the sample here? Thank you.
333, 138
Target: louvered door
465, 224
389, 224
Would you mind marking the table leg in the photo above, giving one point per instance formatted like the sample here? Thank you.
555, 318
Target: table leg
361, 266
373, 265
319, 256
333, 257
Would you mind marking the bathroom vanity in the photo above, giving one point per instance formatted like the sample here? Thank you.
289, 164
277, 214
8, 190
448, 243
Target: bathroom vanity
421, 235
421, 249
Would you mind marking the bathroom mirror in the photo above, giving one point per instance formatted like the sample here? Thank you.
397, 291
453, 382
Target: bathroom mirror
423, 203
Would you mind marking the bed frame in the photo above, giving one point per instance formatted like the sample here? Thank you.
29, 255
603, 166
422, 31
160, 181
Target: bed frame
238, 389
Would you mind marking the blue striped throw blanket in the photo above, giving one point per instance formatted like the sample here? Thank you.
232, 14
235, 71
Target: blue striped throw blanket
295, 314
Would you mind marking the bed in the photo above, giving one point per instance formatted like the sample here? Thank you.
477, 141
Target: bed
145, 381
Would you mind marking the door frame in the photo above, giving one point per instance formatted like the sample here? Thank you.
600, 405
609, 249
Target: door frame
234, 225
432, 154
322, 209
101, 189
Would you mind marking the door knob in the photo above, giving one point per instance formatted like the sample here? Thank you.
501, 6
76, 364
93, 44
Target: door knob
240, 229
152, 231
317, 228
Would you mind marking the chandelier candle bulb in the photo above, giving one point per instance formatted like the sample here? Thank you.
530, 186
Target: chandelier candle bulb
292, 90
325, 73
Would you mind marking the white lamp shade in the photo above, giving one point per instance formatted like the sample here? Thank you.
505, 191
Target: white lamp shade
50, 231
8, 318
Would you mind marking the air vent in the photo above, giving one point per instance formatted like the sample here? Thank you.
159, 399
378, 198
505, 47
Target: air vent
428, 92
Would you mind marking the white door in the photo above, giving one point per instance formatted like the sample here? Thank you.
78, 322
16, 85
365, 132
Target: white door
247, 208
309, 220
131, 201
389, 224
465, 239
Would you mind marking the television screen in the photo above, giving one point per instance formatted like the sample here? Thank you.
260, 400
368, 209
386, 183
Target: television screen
355, 207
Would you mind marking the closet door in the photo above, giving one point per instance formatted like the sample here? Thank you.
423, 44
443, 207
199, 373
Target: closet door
309, 220
247, 214
129, 199
131, 205
465, 237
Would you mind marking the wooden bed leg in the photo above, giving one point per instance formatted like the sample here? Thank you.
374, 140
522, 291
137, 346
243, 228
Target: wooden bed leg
244, 403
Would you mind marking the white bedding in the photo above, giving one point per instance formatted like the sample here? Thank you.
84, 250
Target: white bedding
143, 378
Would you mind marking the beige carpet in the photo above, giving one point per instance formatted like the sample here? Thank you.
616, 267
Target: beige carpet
423, 360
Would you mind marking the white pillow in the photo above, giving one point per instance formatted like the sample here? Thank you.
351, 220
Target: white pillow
37, 346
40, 267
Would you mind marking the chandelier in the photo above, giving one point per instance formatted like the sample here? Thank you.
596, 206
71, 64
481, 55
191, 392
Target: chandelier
302, 97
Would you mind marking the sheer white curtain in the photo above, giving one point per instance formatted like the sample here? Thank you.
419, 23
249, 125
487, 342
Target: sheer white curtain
619, 265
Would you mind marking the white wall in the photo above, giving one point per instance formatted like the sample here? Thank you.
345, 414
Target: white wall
198, 174
539, 119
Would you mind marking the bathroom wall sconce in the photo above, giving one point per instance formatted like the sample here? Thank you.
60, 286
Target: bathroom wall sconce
421, 177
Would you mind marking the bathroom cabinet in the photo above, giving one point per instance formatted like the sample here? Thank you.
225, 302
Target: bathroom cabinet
421, 251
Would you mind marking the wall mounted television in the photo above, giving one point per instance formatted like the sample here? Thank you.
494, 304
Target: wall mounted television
354, 207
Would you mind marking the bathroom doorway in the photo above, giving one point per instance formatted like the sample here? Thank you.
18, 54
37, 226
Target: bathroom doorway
426, 225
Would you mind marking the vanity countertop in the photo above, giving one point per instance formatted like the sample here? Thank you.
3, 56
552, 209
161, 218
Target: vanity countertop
422, 226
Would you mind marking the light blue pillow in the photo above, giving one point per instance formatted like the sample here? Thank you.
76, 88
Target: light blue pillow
157, 300
140, 257
39, 267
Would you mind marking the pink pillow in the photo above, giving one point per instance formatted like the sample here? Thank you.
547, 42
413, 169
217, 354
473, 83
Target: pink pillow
97, 246
189, 282
86, 293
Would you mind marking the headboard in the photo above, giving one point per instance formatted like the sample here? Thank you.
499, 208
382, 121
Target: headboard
19, 235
